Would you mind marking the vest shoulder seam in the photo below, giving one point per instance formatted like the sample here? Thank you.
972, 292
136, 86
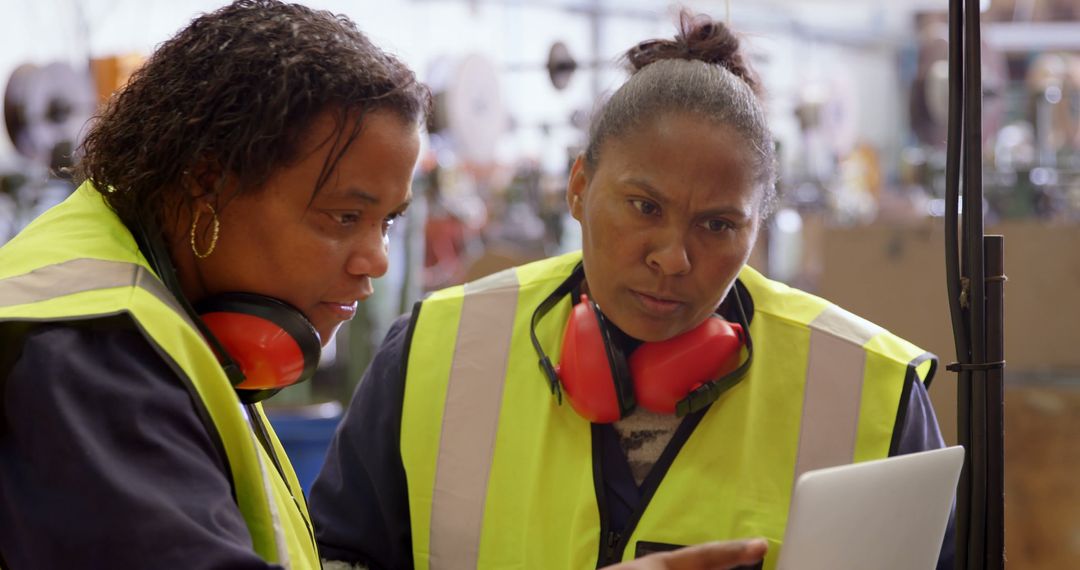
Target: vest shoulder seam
869, 349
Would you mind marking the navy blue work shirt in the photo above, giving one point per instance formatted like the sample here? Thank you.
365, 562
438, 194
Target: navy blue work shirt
105, 461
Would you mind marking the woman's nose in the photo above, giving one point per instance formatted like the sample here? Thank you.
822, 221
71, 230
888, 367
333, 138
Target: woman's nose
669, 255
370, 255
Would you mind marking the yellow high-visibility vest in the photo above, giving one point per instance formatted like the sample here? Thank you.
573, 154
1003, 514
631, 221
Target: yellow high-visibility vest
502, 476
78, 261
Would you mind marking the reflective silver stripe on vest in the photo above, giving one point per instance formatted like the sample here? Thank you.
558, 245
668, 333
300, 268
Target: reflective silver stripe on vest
81, 275
268, 488
471, 419
833, 391
86, 274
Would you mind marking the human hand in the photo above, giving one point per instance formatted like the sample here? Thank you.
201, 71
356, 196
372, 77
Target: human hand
708, 556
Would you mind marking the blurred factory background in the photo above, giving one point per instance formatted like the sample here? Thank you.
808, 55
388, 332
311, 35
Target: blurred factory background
857, 100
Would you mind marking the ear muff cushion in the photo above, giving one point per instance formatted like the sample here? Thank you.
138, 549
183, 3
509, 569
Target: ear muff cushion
665, 372
272, 342
584, 368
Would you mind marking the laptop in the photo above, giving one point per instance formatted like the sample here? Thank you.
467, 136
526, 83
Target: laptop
883, 514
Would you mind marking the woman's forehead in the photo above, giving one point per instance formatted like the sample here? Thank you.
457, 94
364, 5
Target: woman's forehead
680, 145
682, 129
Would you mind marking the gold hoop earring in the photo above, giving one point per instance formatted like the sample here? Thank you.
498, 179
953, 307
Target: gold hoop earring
213, 235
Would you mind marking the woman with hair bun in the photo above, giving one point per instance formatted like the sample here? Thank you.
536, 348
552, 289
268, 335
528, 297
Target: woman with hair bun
649, 392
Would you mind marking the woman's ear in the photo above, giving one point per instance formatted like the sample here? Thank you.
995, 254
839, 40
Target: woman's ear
204, 178
575, 190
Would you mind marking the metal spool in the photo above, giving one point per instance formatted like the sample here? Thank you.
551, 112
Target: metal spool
468, 107
560, 65
929, 108
46, 108
1053, 81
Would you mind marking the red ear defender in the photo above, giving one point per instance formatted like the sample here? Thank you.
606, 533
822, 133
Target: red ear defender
604, 386
272, 342
584, 368
665, 372
263, 344
683, 375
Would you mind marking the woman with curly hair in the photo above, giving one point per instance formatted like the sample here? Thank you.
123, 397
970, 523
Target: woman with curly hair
251, 169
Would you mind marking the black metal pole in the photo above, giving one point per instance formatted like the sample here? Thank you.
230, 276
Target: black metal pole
953, 274
975, 282
995, 402
975, 271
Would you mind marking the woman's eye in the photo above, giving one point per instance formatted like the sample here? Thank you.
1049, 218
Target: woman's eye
346, 218
645, 207
389, 221
717, 225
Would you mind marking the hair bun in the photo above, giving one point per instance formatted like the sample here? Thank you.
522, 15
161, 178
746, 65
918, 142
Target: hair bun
699, 38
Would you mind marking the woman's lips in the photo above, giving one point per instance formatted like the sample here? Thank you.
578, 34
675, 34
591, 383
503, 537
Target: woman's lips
656, 305
344, 311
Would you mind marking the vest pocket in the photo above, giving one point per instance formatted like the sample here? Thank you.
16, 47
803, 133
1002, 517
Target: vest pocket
644, 548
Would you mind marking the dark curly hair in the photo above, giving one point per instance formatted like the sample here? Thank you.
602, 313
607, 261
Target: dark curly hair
237, 89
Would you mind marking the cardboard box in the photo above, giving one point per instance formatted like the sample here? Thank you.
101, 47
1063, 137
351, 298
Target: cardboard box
895, 276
